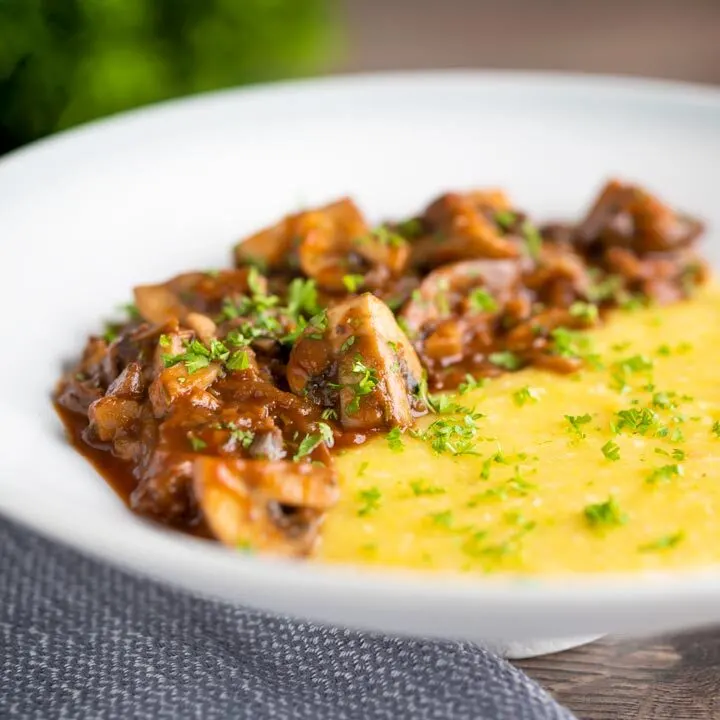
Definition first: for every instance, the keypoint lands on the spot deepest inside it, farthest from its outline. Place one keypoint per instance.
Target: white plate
(85, 216)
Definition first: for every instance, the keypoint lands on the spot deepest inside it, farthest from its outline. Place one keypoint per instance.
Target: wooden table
(672, 677)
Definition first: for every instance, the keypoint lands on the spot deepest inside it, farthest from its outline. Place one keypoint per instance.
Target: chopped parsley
(347, 344)
(526, 395)
(394, 440)
(636, 421)
(676, 454)
(533, 239)
(471, 383)
(452, 436)
(302, 298)
(329, 414)
(353, 282)
(584, 311)
(363, 467)
(239, 360)
(605, 514)
(442, 519)
(196, 443)
(611, 450)
(506, 359)
(666, 542)
(411, 228)
(313, 440)
(318, 324)
(482, 301)
(365, 385)
(576, 422)
(573, 344)
(423, 487)
(369, 501)
(664, 474)
(505, 218)
(715, 429)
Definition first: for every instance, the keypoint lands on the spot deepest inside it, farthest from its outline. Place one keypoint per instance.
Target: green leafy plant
(63, 62)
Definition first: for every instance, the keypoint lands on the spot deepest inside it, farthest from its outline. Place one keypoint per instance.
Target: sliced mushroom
(176, 381)
(444, 289)
(189, 295)
(627, 215)
(110, 416)
(462, 227)
(273, 506)
(336, 242)
(368, 360)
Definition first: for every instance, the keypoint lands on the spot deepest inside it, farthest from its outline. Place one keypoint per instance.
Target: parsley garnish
(364, 386)
(505, 218)
(347, 344)
(370, 500)
(455, 437)
(302, 298)
(196, 443)
(442, 519)
(318, 323)
(353, 282)
(312, 440)
(423, 487)
(584, 311)
(576, 422)
(605, 514)
(611, 450)
(506, 359)
(482, 301)
(394, 440)
(526, 395)
(636, 422)
(663, 543)
(471, 383)
(664, 474)
(715, 429)
(239, 360)
(533, 239)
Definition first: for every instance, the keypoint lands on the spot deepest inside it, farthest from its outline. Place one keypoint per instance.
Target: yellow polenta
(614, 469)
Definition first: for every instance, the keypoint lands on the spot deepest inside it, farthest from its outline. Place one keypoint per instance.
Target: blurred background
(63, 62)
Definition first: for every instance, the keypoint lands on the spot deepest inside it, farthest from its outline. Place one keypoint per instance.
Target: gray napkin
(79, 639)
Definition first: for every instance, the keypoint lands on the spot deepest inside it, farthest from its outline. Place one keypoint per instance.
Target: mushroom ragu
(218, 405)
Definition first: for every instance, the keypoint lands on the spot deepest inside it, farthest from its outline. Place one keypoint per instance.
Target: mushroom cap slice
(365, 359)
(463, 228)
(442, 290)
(273, 506)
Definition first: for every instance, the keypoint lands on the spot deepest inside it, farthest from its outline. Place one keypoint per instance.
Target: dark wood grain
(673, 677)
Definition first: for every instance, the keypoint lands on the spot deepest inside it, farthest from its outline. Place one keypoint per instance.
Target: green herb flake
(239, 360)
(353, 282)
(715, 429)
(611, 450)
(666, 542)
(363, 467)
(423, 487)
(471, 383)
(526, 395)
(576, 422)
(505, 218)
(347, 344)
(394, 440)
(482, 301)
(664, 474)
(584, 311)
(196, 443)
(442, 519)
(369, 501)
(533, 239)
(605, 514)
(506, 359)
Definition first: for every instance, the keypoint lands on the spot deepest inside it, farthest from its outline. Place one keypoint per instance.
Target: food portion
(256, 404)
